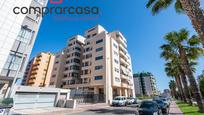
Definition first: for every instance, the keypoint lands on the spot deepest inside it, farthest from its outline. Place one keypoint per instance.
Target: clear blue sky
(143, 32)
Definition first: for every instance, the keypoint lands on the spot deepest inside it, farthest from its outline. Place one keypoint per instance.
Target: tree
(188, 49)
(191, 8)
(202, 85)
(172, 70)
(172, 87)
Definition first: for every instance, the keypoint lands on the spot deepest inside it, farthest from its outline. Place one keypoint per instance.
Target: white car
(119, 101)
(131, 100)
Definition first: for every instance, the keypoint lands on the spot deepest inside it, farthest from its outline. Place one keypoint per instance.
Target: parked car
(131, 100)
(165, 100)
(119, 101)
(149, 108)
(163, 106)
(155, 98)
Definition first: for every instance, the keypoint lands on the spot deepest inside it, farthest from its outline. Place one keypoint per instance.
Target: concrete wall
(34, 97)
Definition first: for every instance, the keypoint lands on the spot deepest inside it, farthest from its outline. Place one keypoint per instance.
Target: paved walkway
(174, 109)
(60, 111)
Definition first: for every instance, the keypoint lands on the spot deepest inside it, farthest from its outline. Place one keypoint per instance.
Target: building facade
(68, 64)
(105, 68)
(18, 33)
(38, 71)
(145, 84)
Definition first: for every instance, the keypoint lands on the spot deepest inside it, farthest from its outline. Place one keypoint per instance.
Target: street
(128, 110)
(93, 109)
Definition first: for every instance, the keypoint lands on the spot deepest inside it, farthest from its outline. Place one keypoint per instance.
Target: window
(51, 83)
(98, 77)
(99, 49)
(74, 67)
(86, 71)
(25, 35)
(77, 48)
(66, 69)
(77, 54)
(99, 41)
(77, 61)
(88, 56)
(94, 34)
(117, 79)
(86, 64)
(98, 67)
(53, 76)
(70, 44)
(99, 58)
(67, 62)
(65, 76)
(117, 70)
(87, 43)
(115, 45)
(115, 53)
(88, 49)
(116, 61)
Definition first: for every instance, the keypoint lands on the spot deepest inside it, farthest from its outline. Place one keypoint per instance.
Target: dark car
(163, 106)
(149, 108)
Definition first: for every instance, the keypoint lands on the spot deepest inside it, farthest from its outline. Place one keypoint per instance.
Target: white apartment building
(18, 33)
(105, 70)
(145, 84)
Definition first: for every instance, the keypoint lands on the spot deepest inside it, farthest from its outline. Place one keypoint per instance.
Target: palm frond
(178, 7)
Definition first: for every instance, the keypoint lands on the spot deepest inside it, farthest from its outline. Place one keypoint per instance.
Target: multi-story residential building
(38, 71)
(18, 33)
(106, 65)
(145, 84)
(67, 67)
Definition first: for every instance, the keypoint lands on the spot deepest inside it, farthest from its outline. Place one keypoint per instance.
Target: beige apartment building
(103, 69)
(38, 71)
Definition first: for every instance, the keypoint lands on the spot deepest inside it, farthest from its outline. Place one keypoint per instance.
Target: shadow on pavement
(115, 111)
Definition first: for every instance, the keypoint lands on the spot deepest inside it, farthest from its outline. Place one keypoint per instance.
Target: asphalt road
(128, 110)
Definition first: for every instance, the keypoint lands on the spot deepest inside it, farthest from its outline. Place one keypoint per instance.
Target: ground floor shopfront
(99, 93)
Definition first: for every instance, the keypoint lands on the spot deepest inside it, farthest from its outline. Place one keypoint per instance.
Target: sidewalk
(60, 111)
(174, 109)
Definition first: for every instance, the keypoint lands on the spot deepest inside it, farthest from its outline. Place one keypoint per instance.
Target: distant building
(166, 93)
(38, 71)
(145, 84)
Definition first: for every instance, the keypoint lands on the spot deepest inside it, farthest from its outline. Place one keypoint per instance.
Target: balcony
(33, 72)
(32, 77)
(121, 39)
(123, 48)
(123, 62)
(124, 85)
(31, 81)
(38, 59)
(124, 77)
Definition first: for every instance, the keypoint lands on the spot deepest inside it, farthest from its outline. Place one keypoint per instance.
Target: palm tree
(172, 70)
(191, 8)
(187, 49)
(174, 66)
(172, 87)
